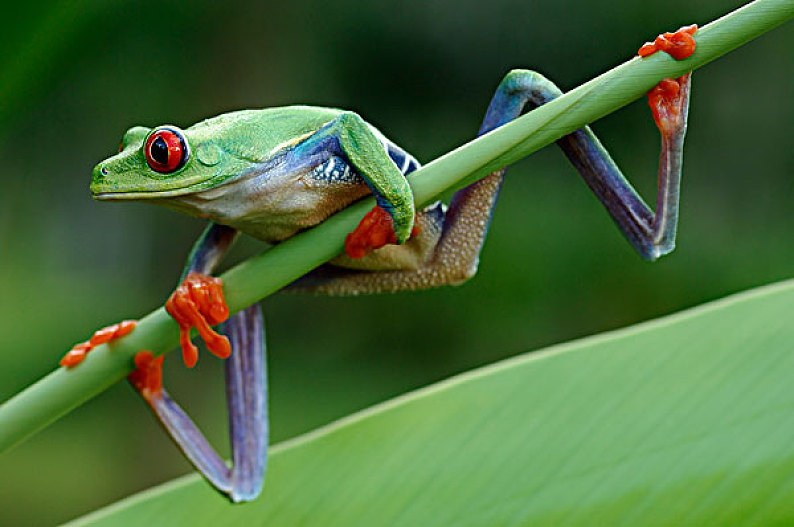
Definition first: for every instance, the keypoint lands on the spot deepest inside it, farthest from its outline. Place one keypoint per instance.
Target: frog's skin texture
(271, 173)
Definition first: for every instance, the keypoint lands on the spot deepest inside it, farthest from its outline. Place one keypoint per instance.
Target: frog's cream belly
(273, 206)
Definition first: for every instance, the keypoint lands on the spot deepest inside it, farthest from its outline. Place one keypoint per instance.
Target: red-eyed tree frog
(272, 173)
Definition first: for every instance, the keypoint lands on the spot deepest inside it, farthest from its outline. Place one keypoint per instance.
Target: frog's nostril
(103, 171)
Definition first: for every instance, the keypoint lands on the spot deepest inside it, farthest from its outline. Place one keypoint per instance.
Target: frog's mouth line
(141, 194)
(110, 194)
(196, 188)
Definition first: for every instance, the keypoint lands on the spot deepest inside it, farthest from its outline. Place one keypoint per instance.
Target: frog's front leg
(352, 139)
(246, 384)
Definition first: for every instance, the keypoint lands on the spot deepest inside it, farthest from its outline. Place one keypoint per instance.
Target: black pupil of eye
(159, 151)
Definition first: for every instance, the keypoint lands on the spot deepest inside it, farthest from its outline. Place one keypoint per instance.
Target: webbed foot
(198, 303)
(76, 355)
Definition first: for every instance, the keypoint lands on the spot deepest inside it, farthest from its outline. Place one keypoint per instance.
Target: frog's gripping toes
(678, 45)
(198, 303)
(376, 230)
(271, 173)
(110, 333)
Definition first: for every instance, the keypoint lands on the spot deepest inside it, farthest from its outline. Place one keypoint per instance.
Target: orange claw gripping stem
(148, 375)
(678, 45)
(665, 102)
(375, 230)
(198, 303)
(76, 355)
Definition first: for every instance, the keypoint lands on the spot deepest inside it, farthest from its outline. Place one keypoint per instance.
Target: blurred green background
(75, 75)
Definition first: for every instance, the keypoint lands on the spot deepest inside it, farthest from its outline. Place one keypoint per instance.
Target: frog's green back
(254, 134)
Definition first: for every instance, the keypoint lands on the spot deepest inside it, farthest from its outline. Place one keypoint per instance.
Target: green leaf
(684, 420)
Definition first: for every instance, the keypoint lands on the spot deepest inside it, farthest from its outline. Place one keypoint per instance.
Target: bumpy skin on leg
(246, 389)
(460, 233)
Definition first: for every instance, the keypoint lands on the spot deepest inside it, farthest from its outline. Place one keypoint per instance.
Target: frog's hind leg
(462, 233)
(246, 385)
(246, 397)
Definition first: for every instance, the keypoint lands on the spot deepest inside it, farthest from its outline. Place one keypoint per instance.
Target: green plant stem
(60, 391)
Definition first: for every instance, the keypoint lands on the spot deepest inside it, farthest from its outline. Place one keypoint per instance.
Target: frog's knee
(530, 82)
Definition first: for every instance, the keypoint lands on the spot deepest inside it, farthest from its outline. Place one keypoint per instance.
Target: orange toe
(198, 303)
(678, 45)
(666, 100)
(374, 231)
(148, 375)
(75, 355)
(110, 333)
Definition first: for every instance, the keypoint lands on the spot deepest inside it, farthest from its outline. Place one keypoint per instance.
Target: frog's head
(165, 162)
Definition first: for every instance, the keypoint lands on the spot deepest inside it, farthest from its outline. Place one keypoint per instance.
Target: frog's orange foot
(148, 375)
(198, 303)
(667, 101)
(678, 45)
(375, 231)
(76, 355)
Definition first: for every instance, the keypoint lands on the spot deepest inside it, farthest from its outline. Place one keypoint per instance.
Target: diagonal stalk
(62, 390)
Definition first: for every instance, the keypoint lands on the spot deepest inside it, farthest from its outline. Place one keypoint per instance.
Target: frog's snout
(98, 178)
(104, 184)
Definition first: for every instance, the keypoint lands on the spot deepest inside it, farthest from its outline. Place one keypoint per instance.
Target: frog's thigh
(404, 267)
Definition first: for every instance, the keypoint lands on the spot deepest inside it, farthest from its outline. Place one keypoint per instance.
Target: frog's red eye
(166, 150)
